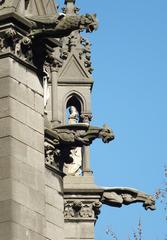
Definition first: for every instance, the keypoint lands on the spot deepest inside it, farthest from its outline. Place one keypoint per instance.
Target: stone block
(5, 69)
(26, 115)
(35, 159)
(5, 189)
(4, 87)
(20, 232)
(79, 230)
(4, 146)
(23, 153)
(5, 211)
(55, 216)
(53, 232)
(23, 133)
(21, 92)
(5, 127)
(27, 175)
(52, 180)
(5, 167)
(39, 103)
(4, 107)
(27, 218)
(28, 197)
(26, 76)
(5, 231)
(54, 198)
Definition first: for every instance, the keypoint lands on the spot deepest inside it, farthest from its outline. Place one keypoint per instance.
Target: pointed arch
(76, 99)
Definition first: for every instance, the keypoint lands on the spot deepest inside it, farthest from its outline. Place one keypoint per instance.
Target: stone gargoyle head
(89, 22)
(106, 134)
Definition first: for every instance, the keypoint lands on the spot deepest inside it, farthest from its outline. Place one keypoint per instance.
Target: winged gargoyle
(116, 197)
(61, 26)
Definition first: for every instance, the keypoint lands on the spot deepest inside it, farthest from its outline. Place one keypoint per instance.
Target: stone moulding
(84, 210)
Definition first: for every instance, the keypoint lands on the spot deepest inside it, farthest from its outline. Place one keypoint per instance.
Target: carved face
(90, 22)
(107, 135)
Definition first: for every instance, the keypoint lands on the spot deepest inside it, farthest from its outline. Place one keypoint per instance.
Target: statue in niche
(74, 115)
(74, 168)
(46, 87)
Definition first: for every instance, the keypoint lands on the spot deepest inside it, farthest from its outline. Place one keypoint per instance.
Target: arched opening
(26, 4)
(73, 109)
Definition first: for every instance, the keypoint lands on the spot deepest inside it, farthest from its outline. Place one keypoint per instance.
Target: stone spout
(78, 135)
(61, 26)
(116, 197)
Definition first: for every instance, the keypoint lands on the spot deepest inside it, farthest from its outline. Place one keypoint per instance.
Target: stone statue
(74, 168)
(116, 197)
(46, 87)
(61, 26)
(74, 115)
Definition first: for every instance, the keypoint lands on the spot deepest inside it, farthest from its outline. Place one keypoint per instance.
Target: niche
(73, 110)
(27, 4)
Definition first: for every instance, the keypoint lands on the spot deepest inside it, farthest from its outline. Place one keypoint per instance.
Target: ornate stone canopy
(30, 7)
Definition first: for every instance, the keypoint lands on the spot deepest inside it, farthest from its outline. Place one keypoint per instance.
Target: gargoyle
(77, 137)
(66, 138)
(61, 26)
(116, 197)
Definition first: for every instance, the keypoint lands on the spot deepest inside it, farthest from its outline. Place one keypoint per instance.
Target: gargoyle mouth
(90, 28)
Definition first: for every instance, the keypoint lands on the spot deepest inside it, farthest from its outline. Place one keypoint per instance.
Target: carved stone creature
(64, 140)
(116, 197)
(79, 138)
(61, 26)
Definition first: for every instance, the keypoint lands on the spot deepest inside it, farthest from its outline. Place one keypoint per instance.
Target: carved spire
(70, 8)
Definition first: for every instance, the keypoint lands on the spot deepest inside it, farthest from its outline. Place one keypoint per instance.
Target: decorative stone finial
(70, 8)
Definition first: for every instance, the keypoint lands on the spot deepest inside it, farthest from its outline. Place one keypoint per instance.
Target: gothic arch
(75, 99)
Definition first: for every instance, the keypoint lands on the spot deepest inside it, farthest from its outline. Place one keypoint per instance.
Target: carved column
(86, 169)
(54, 72)
(81, 211)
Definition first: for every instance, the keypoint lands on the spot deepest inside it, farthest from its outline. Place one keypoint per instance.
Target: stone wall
(22, 170)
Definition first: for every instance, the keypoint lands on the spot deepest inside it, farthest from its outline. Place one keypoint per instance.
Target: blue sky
(129, 55)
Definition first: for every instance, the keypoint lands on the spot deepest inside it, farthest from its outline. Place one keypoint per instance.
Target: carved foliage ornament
(82, 209)
(13, 42)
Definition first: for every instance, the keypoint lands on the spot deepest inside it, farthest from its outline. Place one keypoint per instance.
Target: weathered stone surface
(27, 218)
(54, 216)
(28, 116)
(20, 73)
(53, 181)
(5, 189)
(4, 107)
(84, 230)
(18, 231)
(39, 103)
(23, 133)
(5, 210)
(53, 232)
(54, 198)
(28, 197)
(5, 231)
